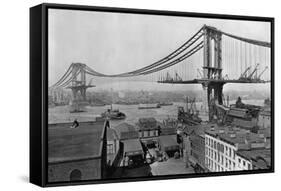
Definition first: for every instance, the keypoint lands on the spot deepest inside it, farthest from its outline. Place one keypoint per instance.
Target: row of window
(219, 158)
(229, 165)
(148, 133)
(244, 164)
(220, 147)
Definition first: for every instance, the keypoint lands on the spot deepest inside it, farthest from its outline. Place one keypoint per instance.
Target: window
(110, 149)
(249, 166)
(239, 160)
(215, 144)
(215, 155)
(75, 175)
(244, 163)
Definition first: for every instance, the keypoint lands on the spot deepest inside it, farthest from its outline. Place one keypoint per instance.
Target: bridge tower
(79, 84)
(212, 69)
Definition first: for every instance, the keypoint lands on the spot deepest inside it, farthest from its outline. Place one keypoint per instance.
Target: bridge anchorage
(218, 57)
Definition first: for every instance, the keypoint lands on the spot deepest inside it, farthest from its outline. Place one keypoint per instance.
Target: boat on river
(113, 114)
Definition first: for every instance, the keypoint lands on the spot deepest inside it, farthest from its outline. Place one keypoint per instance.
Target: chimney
(221, 131)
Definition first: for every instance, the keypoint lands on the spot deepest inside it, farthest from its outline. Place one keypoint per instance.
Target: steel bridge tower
(79, 84)
(212, 68)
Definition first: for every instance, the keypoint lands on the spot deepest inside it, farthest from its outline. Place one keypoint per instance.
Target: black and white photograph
(135, 95)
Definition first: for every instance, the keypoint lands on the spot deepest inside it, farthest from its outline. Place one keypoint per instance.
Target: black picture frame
(39, 89)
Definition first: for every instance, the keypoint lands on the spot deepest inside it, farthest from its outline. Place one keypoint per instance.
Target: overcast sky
(113, 43)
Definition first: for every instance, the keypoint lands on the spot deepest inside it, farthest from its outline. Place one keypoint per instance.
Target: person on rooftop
(75, 124)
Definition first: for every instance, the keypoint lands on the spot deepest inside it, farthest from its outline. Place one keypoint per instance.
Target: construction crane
(168, 77)
(178, 78)
(244, 75)
(250, 76)
(192, 109)
(253, 72)
(259, 76)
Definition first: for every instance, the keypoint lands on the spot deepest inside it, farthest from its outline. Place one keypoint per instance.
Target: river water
(60, 114)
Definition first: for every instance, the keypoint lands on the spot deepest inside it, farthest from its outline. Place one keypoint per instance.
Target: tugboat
(113, 114)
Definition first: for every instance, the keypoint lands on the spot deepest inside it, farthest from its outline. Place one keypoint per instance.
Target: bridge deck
(80, 86)
(202, 81)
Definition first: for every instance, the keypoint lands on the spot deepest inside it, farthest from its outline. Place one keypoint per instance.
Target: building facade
(148, 130)
(223, 145)
(219, 155)
(77, 153)
(264, 119)
(113, 147)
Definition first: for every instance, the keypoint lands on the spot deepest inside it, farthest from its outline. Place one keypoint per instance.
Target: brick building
(77, 153)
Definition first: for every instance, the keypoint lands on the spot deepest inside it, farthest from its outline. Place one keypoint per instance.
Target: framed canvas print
(127, 95)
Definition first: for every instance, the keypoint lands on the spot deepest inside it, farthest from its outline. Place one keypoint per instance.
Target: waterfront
(60, 114)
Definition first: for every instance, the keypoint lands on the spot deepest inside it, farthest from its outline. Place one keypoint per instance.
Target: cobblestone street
(169, 167)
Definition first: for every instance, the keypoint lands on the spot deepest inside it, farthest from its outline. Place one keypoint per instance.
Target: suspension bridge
(210, 57)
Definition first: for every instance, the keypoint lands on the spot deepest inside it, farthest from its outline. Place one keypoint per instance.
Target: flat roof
(168, 141)
(234, 135)
(198, 129)
(244, 123)
(132, 147)
(257, 156)
(149, 123)
(126, 131)
(67, 144)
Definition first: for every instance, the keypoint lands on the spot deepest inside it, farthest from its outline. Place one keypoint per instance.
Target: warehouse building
(77, 153)
(222, 145)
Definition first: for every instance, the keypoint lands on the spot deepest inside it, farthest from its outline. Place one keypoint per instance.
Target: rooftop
(237, 136)
(261, 158)
(147, 120)
(148, 123)
(199, 129)
(168, 141)
(266, 111)
(244, 123)
(111, 134)
(126, 131)
(66, 144)
(132, 147)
